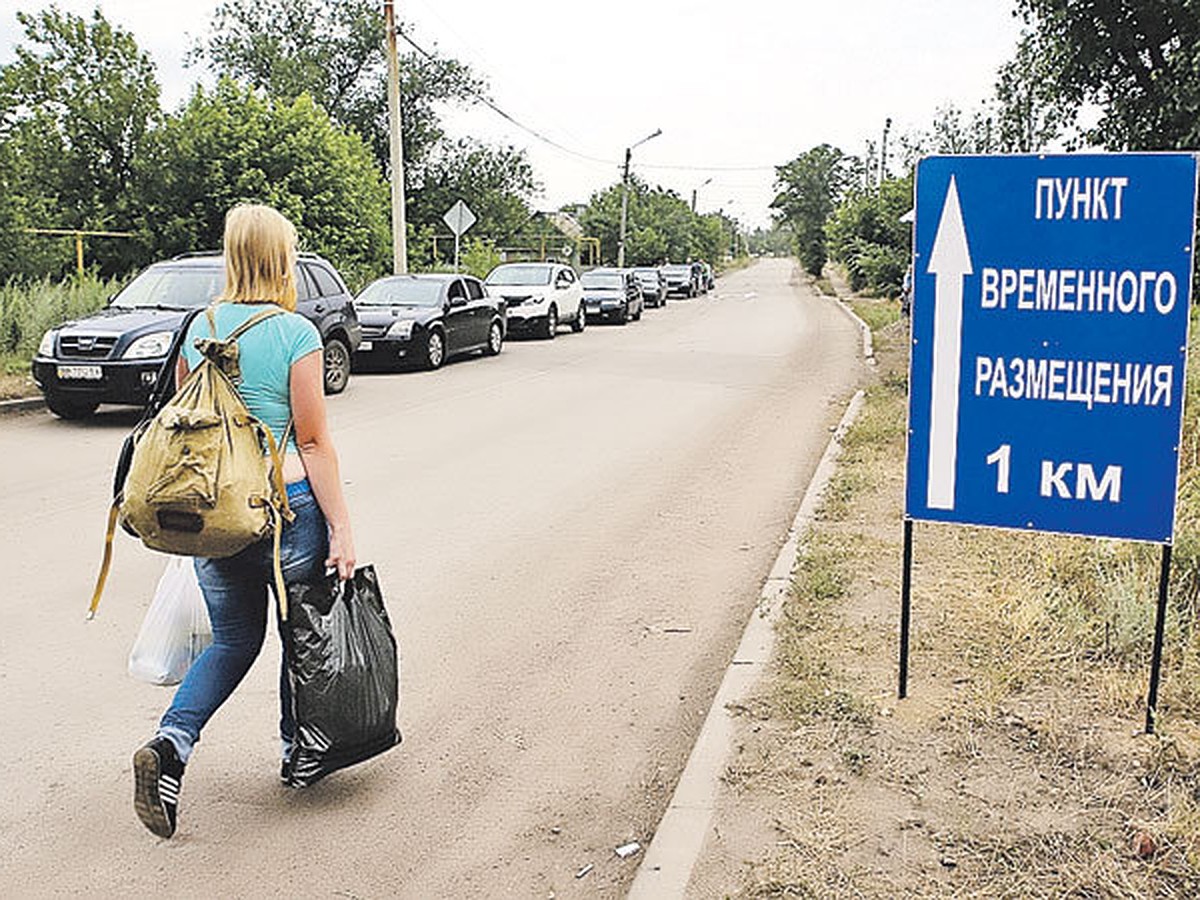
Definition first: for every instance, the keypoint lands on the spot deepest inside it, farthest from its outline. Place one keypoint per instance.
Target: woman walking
(281, 382)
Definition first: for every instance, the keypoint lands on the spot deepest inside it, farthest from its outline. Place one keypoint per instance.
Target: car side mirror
(458, 301)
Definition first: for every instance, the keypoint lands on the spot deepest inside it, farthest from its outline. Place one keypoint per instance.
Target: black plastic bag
(344, 674)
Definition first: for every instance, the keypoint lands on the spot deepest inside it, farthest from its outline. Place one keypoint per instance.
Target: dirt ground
(1017, 767)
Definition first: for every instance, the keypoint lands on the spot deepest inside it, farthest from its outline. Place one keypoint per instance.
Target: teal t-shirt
(266, 353)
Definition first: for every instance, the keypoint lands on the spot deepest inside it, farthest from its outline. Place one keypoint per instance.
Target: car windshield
(602, 280)
(401, 292)
(646, 275)
(172, 286)
(506, 276)
(678, 270)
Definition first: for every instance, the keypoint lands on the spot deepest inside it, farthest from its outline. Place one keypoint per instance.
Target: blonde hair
(260, 257)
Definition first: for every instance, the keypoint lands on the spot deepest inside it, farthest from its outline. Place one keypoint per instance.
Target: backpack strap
(250, 322)
(210, 314)
(108, 547)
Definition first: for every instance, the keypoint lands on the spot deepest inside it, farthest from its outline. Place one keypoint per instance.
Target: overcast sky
(736, 88)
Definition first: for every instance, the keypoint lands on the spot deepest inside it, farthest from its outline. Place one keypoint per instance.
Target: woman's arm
(307, 387)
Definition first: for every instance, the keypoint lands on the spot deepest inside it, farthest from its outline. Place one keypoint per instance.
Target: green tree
(333, 50)
(867, 237)
(953, 130)
(497, 183)
(1030, 112)
(810, 186)
(233, 145)
(1137, 60)
(659, 226)
(76, 107)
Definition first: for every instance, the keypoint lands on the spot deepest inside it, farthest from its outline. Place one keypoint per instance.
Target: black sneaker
(157, 778)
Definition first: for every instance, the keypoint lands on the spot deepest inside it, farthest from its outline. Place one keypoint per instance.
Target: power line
(486, 101)
(483, 98)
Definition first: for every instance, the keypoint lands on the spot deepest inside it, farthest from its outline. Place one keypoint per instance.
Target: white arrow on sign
(459, 217)
(949, 262)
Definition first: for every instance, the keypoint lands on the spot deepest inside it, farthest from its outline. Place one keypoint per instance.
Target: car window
(304, 285)
(457, 291)
(327, 285)
(474, 289)
(176, 287)
(565, 277)
(515, 275)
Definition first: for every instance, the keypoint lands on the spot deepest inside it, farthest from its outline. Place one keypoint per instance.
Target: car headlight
(46, 347)
(149, 346)
(401, 329)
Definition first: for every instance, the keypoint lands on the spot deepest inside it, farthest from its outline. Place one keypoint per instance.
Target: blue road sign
(1049, 327)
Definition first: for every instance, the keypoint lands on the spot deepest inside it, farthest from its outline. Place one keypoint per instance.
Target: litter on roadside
(627, 850)
(582, 872)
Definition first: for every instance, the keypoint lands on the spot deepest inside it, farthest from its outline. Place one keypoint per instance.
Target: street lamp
(696, 188)
(625, 196)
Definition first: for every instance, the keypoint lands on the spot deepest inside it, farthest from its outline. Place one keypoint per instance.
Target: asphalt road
(571, 537)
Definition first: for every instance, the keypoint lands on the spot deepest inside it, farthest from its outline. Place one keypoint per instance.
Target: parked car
(426, 319)
(682, 279)
(653, 284)
(612, 294)
(115, 355)
(538, 296)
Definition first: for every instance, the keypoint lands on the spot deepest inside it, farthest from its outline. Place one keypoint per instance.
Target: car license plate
(365, 346)
(80, 373)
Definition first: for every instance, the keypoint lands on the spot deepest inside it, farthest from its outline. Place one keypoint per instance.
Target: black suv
(114, 355)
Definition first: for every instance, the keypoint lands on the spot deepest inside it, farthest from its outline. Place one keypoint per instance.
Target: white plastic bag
(176, 628)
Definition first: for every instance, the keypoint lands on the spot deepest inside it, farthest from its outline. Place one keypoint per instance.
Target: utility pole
(625, 197)
(399, 226)
(709, 181)
(887, 126)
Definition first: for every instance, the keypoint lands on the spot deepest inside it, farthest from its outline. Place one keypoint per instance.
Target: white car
(539, 297)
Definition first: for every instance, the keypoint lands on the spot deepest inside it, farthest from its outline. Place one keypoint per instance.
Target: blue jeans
(235, 592)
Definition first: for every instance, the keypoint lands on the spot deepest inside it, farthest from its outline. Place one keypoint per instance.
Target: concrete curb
(667, 867)
(16, 406)
(868, 343)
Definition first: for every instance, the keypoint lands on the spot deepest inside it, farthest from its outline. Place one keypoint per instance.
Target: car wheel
(337, 365)
(495, 340)
(435, 350)
(580, 322)
(66, 408)
(551, 327)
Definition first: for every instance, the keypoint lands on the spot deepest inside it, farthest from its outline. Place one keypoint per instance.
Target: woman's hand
(341, 552)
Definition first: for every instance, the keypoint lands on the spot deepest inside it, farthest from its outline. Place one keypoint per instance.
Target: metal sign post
(1049, 341)
(459, 217)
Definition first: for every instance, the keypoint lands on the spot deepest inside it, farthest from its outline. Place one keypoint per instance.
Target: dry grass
(1016, 768)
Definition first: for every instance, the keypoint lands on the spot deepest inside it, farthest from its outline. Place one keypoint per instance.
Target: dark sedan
(426, 319)
(653, 284)
(612, 294)
(682, 279)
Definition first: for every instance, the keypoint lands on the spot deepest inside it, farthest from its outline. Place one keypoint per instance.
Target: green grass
(29, 309)
(876, 313)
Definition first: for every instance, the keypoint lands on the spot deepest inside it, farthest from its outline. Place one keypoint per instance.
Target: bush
(29, 309)
(865, 235)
